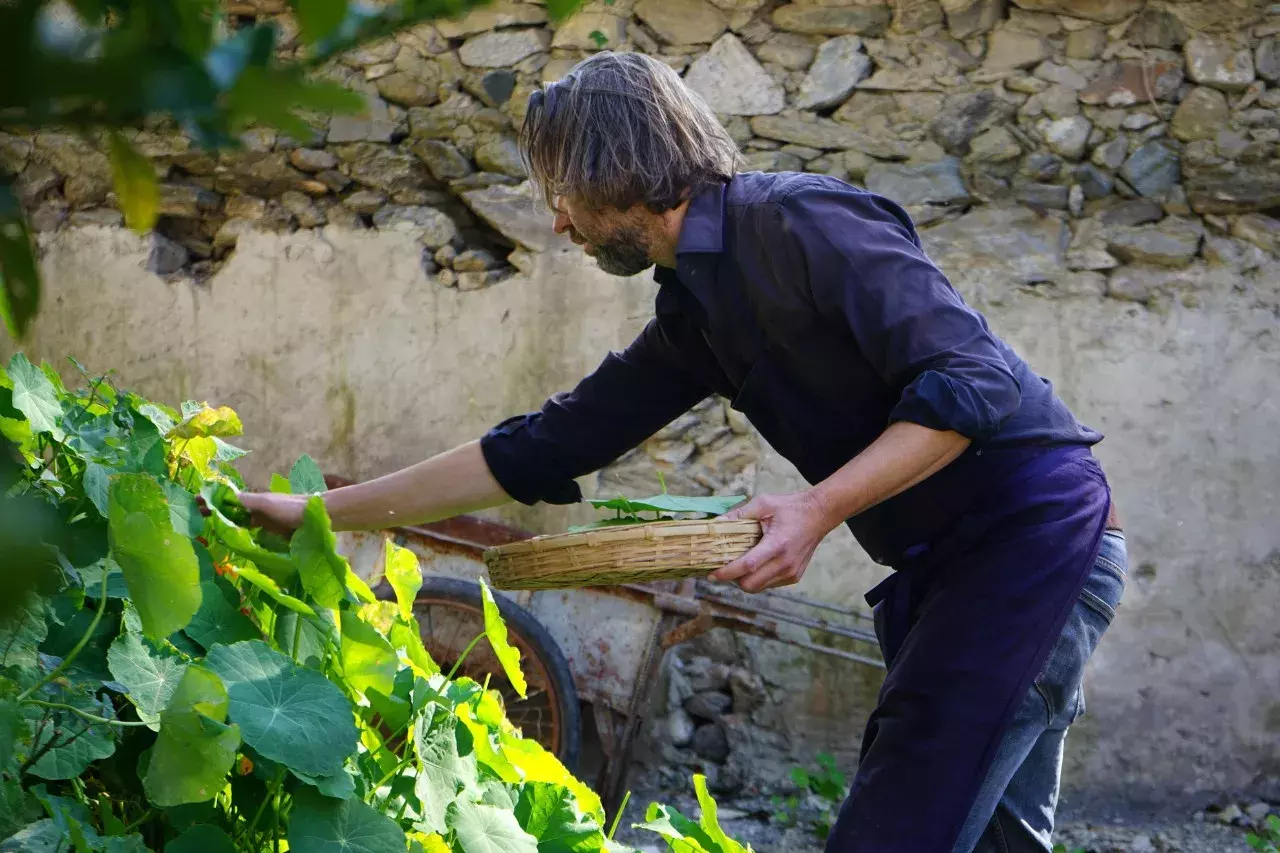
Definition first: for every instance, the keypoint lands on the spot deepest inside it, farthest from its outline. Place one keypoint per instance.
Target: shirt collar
(703, 226)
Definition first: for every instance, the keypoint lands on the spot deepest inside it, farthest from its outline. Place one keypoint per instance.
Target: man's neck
(668, 235)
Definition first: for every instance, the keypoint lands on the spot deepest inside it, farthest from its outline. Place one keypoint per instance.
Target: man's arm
(530, 458)
(451, 483)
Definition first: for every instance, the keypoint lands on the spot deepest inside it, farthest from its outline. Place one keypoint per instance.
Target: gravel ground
(1092, 828)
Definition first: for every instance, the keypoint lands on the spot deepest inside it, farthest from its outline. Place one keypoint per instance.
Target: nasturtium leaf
(184, 513)
(159, 564)
(35, 396)
(11, 726)
(479, 741)
(150, 676)
(536, 764)
(359, 588)
(196, 748)
(710, 819)
(442, 772)
(402, 572)
(135, 184)
(321, 568)
(306, 478)
(145, 451)
(21, 634)
(271, 588)
(163, 418)
(240, 542)
(76, 742)
(682, 834)
(549, 813)
(280, 485)
(501, 794)
(95, 485)
(207, 422)
(321, 824)
(313, 635)
(340, 786)
(199, 451)
(289, 713)
(420, 842)
(43, 836)
(201, 838)
(380, 614)
(496, 630)
(488, 829)
(227, 452)
(219, 619)
(405, 637)
(368, 661)
(13, 807)
(712, 505)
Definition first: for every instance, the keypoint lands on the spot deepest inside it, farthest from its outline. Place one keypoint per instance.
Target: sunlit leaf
(368, 661)
(402, 572)
(536, 764)
(710, 819)
(196, 748)
(135, 183)
(481, 828)
(549, 813)
(35, 396)
(159, 564)
(322, 570)
(280, 485)
(271, 588)
(206, 422)
(496, 630)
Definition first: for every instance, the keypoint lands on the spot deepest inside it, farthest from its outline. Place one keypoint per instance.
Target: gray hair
(622, 129)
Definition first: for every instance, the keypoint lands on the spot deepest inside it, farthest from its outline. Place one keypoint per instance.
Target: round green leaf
(35, 396)
(201, 838)
(323, 825)
(442, 772)
(488, 829)
(149, 676)
(76, 742)
(288, 713)
(549, 813)
(219, 619)
(159, 564)
(195, 749)
(305, 478)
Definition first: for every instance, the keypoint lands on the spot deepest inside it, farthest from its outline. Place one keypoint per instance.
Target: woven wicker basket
(659, 550)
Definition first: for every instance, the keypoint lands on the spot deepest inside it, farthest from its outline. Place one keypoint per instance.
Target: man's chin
(625, 270)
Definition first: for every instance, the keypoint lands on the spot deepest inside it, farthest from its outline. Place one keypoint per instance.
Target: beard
(625, 253)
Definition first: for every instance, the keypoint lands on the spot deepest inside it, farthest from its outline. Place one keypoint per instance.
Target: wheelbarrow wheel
(451, 614)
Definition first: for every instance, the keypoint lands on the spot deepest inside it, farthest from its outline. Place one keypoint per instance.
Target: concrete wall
(335, 343)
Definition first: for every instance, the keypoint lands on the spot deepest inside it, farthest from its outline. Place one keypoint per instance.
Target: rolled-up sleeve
(630, 396)
(864, 267)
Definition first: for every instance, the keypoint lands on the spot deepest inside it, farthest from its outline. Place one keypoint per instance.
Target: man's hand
(793, 526)
(279, 512)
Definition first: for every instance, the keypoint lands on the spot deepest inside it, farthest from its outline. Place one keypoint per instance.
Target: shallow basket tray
(660, 550)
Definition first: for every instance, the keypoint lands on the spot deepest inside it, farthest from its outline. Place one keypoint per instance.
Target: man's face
(617, 239)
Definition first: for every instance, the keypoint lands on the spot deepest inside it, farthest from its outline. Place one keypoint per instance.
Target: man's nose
(562, 223)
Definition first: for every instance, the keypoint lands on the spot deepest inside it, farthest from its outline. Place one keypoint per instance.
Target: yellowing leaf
(404, 575)
(135, 184)
(222, 422)
(537, 765)
(496, 630)
(420, 842)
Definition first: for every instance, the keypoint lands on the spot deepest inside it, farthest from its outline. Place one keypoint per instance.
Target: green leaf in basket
(712, 505)
(614, 522)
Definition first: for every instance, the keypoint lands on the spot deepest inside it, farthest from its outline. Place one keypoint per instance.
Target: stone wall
(1100, 177)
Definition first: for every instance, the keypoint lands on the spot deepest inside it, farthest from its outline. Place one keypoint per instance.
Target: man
(811, 305)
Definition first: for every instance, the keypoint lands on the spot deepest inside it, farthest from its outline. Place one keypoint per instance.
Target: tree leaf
(196, 748)
(550, 813)
(288, 713)
(368, 661)
(159, 564)
(442, 772)
(496, 630)
(319, 824)
(314, 548)
(21, 634)
(149, 676)
(219, 619)
(35, 396)
(305, 478)
(19, 275)
(201, 838)
(317, 19)
(404, 575)
(488, 829)
(135, 183)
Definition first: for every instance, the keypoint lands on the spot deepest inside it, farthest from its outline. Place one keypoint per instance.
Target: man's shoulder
(755, 188)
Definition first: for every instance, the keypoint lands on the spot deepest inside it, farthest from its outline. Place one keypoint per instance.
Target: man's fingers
(754, 509)
(747, 563)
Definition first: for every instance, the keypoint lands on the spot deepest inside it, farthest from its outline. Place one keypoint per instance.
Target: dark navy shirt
(811, 305)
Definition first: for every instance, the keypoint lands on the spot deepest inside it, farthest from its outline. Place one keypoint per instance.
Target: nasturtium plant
(179, 680)
(664, 507)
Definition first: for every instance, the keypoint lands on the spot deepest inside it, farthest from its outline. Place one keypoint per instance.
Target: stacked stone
(1128, 148)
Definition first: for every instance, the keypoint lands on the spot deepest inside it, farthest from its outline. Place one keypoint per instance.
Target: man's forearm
(454, 482)
(904, 454)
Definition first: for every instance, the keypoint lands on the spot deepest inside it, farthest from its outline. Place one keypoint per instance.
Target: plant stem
(131, 827)
(93, 718)
(71, 655)
(617, 818)
(297, 634)
(275, 789)
(404, 762)
(463, 656)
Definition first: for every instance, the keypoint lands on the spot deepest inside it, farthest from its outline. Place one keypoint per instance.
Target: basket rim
(647, 531)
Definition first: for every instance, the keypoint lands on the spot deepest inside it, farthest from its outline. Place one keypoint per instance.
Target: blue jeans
(1015, 807)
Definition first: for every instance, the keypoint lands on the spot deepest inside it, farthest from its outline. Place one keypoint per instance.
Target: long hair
(622, 129)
